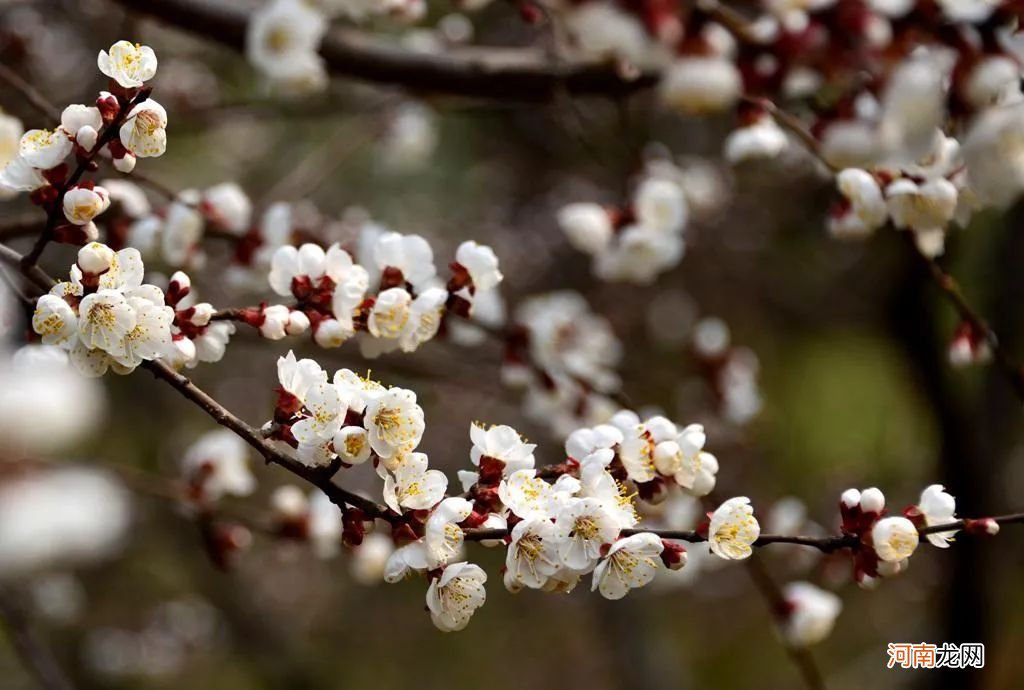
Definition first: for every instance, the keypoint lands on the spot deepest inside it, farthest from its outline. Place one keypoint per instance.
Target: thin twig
(953, 294)
(35, 656)
(773, 596)
(32, 96)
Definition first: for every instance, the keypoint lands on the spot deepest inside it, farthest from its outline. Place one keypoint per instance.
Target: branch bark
(505, 73)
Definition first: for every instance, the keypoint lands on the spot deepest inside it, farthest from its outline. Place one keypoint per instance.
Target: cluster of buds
(195, 336)
(923, 198)
(283, 37)
(563, 356)
(731, 371)
(398, 303)
(105, 316)
(885, 544)
(638, 242)
(124, 124)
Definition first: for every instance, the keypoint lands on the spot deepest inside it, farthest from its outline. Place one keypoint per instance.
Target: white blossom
(481, 263)
(701, 84)
(867, 210)
(761, 139)
(219, 461)
(811, 614)
(44, 148)
(59, 518)
(411, 485)
(281, 41)
(130, 65)
(394, 422)
(368, 561)
(527, 495)
(894, 538)
(82, 204)
(442, 535)
(144, 131)
(733, 529)
(453, 597)
(660, 205)
(410, 254)
(925, 206)
(587, 226)
(229, 206)
(532, 555)
(937, 507)
(583, 526)
(501, 443)
(298, 376)
(352, 444)
(630, 563)
(423, 321)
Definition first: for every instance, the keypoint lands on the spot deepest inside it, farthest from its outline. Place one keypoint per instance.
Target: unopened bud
(95, 258)
(673, 555)
(872, 500)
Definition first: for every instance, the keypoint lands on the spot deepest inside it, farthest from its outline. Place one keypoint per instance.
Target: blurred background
(855, 390)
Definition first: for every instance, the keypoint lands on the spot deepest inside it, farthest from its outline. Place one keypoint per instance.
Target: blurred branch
(33, 97)
(503, 73)
(953, 294)
(37, 659)
(25, 225)
(773, 596)
(321, 476)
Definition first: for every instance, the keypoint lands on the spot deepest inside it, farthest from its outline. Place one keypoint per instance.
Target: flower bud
(275, 319)
(288, 502)
(95, 258)
(329, 333)
(872, 500)
(298, 323)
(125, 164)
(185, 349)
(108, 106)
(850, 498)
(587, 226)
(178, 288)
(673, 555)
(982, 527)
(81, 204)
(87, 137)
(202, 313)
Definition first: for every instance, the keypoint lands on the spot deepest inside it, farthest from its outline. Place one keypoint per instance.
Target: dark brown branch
(773, 596)
(26, 225)
(37, 659)
(319, 477)
(504, 73)
(825, 544)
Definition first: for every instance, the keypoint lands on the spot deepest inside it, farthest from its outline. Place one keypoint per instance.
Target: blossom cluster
(283, 37)
(124, 124)
(885, 543)
(885, 92)
(640, 241)
(395, 300)
(104, 315)
(563, 357)
(555, 532)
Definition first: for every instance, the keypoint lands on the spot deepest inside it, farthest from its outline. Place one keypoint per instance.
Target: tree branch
(37, 659)
(505, 73)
